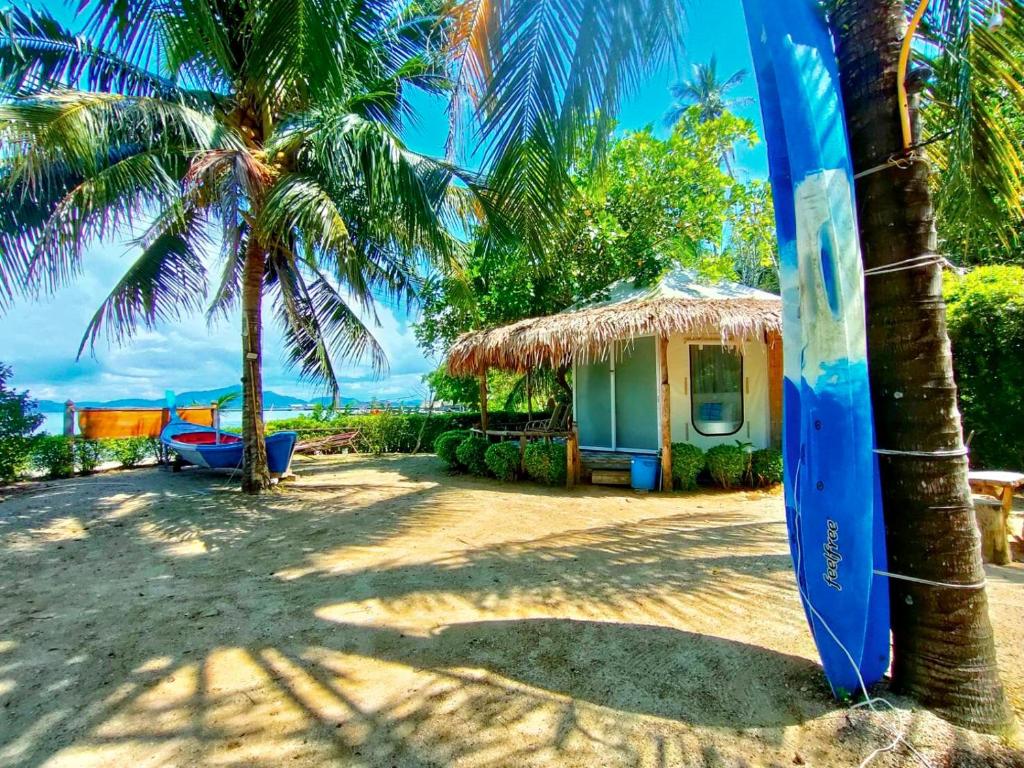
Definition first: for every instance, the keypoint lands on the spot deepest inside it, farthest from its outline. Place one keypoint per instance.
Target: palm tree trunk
(943, 649)
(255, 475)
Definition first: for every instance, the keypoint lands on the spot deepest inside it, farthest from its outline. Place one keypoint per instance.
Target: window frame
(693, 402)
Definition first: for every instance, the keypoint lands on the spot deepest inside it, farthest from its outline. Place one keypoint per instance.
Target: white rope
(899, 733)
(917, 262)
(903, 163)
(952, 453)
(978, 585)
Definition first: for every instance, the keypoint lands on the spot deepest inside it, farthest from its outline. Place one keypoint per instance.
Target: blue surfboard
(832, 493)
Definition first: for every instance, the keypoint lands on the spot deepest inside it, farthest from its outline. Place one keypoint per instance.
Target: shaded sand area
(380, 613)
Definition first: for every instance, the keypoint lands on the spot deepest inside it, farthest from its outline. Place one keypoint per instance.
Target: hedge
(766, 467)
(985, 317)
(728, 464)
(545, 462)
(393, 431)
(687, 463)
(446, 447)
(470, 454)
(503, 460)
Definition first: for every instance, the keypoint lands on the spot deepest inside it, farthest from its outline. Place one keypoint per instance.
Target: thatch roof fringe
(586, 334)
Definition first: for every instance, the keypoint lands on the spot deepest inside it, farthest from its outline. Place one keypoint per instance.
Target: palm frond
(166, 281)
(978, 80)
(37, 53)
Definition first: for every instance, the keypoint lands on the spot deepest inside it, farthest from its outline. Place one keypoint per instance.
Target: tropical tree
(550, 64)
(943, 650)
(704, 90)
(266, 129)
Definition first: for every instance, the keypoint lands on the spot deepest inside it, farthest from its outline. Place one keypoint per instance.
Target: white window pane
(716, 389)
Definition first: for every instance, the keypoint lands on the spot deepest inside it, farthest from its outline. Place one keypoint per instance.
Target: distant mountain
(271, 399)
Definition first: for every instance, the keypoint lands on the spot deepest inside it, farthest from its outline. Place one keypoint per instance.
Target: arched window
(716, 389)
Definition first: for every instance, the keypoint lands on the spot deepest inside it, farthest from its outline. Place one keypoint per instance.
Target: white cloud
(40, 339)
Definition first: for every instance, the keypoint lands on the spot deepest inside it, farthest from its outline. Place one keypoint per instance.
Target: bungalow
(681, 360)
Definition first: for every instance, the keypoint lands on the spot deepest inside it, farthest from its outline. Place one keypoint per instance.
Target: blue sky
(41, 339)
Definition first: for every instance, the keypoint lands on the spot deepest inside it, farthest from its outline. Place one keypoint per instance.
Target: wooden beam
(483, 400)
(665, 416)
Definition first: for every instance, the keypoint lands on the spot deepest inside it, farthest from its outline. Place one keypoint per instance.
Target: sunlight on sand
(379, 613)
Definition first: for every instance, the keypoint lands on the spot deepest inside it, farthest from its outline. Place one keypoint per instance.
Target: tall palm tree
(704, 90)
(268, 128)
(943, 650)
(537, 70)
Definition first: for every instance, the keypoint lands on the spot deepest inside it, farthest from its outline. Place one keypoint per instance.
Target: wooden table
(1001, 485)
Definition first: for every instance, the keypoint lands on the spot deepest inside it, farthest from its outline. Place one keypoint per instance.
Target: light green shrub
(129, 451)
(545, 462)
(728, 464)
(53, 455)
(766, 467)
(503, 460)
(687, 464)
(88, 455)
(985, 314)
(471, 453)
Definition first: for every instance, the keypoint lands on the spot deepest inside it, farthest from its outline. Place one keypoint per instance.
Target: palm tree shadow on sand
(646, 670)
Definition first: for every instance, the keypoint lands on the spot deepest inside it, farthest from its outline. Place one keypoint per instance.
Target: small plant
(766, 467)
(88, 455)
(18, 420)
(471, 454)
(54, 455)
(687, 463)
(545, 462)
(130, 451)
(446, 445)
(728, 464)
(503, 460)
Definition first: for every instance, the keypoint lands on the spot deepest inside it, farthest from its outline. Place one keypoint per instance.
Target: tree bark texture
(943, 648)
(255, 474)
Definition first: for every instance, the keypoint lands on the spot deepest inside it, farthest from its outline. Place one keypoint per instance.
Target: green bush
(687, 463)
(389, 432)
(392, 431)
(88, 455)
(728, 464)
(53, 455)
(985, 314)
(471, 453)
(503, 460)
(545, 462)
(18, 420)
(129, 451)
(446, 445)
(766, 467)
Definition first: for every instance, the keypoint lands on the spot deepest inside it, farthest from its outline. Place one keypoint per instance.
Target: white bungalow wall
(599, 422)
(756, 426)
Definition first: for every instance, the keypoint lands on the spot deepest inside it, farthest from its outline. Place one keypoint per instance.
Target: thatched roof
(677, 304)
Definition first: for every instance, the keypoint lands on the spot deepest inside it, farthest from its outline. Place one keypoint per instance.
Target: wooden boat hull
(217, 449)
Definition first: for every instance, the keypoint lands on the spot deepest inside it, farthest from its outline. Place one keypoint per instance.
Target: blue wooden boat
(833, 499)
(216, 449)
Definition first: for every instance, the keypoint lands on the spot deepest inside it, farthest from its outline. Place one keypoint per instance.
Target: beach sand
(378, 612)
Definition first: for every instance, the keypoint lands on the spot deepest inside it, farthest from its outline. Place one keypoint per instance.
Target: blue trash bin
(644, 473)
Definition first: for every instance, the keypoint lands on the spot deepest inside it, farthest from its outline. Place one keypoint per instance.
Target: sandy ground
(379, 613)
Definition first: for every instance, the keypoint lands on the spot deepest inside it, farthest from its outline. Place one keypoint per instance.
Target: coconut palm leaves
(975, 50)
(533, 76)
(143, 120)
(705, 90)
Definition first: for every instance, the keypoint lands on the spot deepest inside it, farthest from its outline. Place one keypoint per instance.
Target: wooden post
(572, 463)
(69, 419)
(215, 421)
(483, 400)
(529, 396)
(665, 402)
